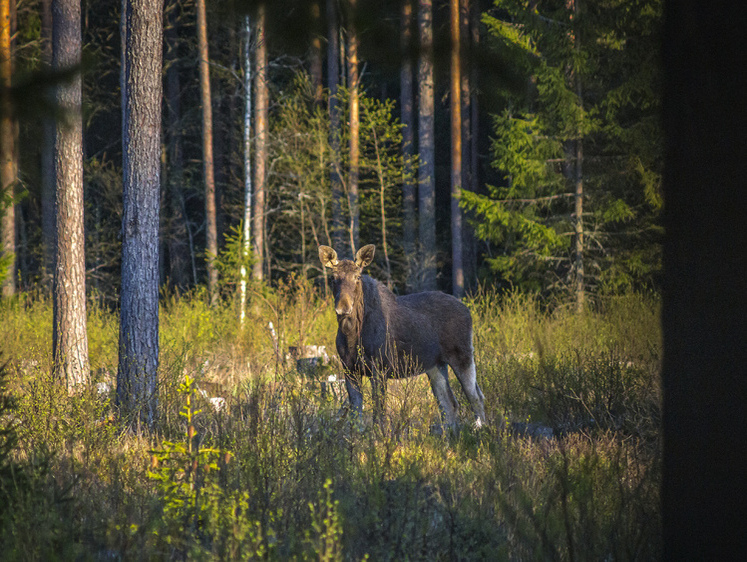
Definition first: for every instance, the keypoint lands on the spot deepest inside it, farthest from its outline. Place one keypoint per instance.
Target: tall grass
(568, 467)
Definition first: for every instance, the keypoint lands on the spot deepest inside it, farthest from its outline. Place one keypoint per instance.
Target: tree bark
(354, 127)
(704, 305)
(178, 247)
(457, 268)
(260, 146)
(247, 215)
(211, 223)
(142, 37)
(69, 339)
(47, 159)
(333, 80)
(427, 168)
(579, 179)
(407, 116)
(315, 62)
(7, 165)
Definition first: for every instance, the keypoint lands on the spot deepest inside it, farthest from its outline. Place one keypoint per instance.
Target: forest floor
(568, 466)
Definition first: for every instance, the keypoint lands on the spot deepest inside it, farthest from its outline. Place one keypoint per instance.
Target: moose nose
(343, 309)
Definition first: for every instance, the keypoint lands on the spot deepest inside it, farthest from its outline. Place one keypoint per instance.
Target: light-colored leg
(439, 377)
(468, 379)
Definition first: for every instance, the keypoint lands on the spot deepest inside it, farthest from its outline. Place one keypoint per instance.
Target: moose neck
(350, 327)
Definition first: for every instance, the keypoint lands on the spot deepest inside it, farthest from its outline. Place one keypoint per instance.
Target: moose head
(346, 276)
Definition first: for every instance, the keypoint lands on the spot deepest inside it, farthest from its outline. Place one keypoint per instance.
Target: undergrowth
(568, 467)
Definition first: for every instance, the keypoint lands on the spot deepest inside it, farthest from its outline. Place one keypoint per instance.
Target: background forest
(510, 153)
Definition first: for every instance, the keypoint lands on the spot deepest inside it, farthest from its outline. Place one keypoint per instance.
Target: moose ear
(365, 255)
(328, 257)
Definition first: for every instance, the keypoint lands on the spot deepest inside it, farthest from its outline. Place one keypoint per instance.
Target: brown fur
(383, 336)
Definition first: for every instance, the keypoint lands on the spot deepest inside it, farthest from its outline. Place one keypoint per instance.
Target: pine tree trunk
(427, 168)
(142, 36)
(407, 116)
(468, 235)
(260, 146)
(69, 340)
(333, 80)
(178, 247)
(7, 166)
(457, 268)
(354, 128)
(579, 182)
(211, 224)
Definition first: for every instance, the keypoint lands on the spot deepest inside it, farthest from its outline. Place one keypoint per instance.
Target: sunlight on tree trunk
(7, 166)
(333, 80)
(207, 152)
(260, 142)
(354, 127)
(457, 268)
(69, 339)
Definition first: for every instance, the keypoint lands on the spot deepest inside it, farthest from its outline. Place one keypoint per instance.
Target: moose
(384, 336)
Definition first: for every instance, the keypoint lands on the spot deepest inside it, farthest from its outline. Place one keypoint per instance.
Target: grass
(568, 467)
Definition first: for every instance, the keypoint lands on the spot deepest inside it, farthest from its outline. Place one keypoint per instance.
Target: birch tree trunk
(211, 224)
(247, 215)
(69, 337)
(142, 38)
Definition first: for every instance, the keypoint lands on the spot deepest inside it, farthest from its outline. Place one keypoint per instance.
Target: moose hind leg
(439, 378)
(467, 375)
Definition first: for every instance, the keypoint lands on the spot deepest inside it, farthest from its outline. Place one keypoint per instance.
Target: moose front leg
(353, 385)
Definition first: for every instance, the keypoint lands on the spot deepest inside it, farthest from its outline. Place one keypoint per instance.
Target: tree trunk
(408, 125)
(247, 215)
(211, 225)
(704, 305)
(315, 62)
(260, 146)
(333, 79)
(354, 127)
(69, 339)
(468, 141)
(7, 166)
(178, 246)
(47, 159)
(427, 168)
(142, 36)
(579, 180)
(457, 268)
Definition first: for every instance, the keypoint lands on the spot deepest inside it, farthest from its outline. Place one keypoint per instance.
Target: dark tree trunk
(704, 305)
(142, 36)
(69, 339)
(315, 55)
(427, 168)
(261, 98)
(47, 160)
(333, 80)
(178, 247)
(407, 116)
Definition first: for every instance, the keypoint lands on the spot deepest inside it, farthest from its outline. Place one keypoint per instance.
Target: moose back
(383, 336)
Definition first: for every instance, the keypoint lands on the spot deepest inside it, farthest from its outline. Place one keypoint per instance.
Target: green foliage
(592, 78)
(282, 473)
